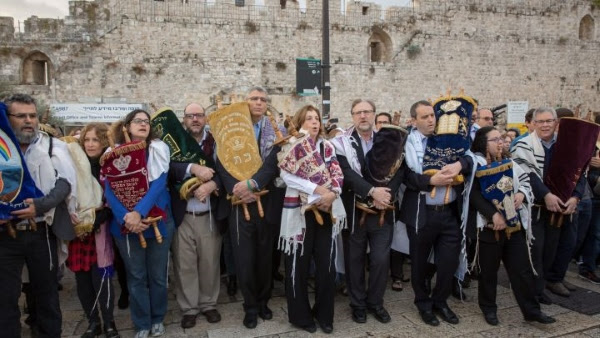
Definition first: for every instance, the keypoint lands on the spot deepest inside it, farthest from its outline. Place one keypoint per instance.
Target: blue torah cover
(16, 183)
(496, 180)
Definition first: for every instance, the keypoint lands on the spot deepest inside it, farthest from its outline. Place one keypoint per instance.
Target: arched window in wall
(587, 28)
(380, 46)
(37, 69)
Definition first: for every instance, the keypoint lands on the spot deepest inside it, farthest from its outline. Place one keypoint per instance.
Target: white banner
(516, 111)
(86, 113)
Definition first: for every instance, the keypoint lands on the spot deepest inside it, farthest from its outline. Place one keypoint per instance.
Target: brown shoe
(188, 321)
(558, 289)
(212, 316)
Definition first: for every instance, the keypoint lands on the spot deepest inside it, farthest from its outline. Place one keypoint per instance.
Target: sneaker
(558, 289)
(157, 330)
(142, 334)
(590, 277)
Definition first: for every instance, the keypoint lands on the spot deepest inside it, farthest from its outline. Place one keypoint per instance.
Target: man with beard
(51, 168)
(197, 246)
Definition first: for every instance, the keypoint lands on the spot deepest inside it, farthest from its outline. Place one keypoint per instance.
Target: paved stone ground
(405, 319)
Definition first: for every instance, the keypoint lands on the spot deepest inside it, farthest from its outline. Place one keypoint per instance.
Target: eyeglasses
(194, 116)
(549, 121)
(257, 98)
(23, 116)
(140, 121)
(496, 140)
(365, 112)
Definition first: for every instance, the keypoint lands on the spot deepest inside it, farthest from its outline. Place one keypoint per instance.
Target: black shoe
(544, 299)
(446, 314)
(540, 318)
(110, 331)
(188, 321)
(232, 285)
(326, 328)
(491, 318)
(380, 314)
(93, 330)
(265, 313)
(250, 320)
(123, 302)
(359, 316)
(429, 318)
(212, 316)
(311, 328)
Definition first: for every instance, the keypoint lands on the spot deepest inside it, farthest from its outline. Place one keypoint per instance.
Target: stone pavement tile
(595, 332)
(516, 328)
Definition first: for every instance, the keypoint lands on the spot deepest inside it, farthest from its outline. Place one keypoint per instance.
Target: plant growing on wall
(413, 51)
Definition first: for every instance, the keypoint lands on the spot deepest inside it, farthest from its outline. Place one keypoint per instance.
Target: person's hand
(202, 172)
(74, 219)
(553, 203)
(379, 206)
(204, 191)
(382, 195)
(241, 190)
(28, 212)
(452, 169)
(324, 203)
(519, 197)
(441, 179)
(571, 206)
(499, 222)
(595, 162)
(132, 220)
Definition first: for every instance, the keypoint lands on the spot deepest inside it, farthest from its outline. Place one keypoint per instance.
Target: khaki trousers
(197, 264)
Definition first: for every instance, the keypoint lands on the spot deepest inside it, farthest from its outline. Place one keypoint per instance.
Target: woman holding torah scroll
(313, 216)
(145, 259)
(501, 196)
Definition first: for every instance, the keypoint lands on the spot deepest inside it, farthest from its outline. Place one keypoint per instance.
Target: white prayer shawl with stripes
(529, 154)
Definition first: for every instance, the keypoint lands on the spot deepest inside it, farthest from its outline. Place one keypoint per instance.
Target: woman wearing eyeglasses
(500, 200)
(146, 267)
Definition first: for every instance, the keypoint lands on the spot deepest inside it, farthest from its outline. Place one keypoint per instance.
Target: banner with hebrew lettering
(237, 148)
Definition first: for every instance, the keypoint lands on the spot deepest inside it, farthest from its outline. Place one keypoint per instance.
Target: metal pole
(325, 86)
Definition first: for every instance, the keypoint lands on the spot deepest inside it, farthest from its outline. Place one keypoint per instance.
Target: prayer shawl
(267, 137)
(529, 154)
(520, 184)
(301, 157)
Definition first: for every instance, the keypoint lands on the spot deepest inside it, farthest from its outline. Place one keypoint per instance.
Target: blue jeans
(584, 216)
(591, 245)
(566, 237)
(147, 276)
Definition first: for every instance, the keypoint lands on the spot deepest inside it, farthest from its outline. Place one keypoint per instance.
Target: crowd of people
(330, 200)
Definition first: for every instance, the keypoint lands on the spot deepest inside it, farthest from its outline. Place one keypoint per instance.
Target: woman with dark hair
(91, 254)
(146, 267)
(503, 232)
(312, 218)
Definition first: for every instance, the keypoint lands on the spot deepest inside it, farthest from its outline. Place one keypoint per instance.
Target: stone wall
(171, 53)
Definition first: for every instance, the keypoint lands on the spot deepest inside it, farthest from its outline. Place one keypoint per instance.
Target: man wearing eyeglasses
(52, 169)
(485, 118)
(534, 153)
(197, 246)
(252, 241)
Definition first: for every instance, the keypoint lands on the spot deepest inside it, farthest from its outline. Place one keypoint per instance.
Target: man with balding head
(197, 246)
(485, 118)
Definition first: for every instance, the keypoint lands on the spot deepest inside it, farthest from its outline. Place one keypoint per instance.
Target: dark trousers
(89, 285)
(584, 217)
(565, 248)
(513, 253)
(120, 269)
(252, 244)
(397, 265)
(31, 248)
(591, 245)
(317, 244)
(442, 234)
(379, 239)
(543, 249)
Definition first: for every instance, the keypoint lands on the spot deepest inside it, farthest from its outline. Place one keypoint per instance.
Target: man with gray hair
(534, 154)
(52, 170)
(252, 241)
